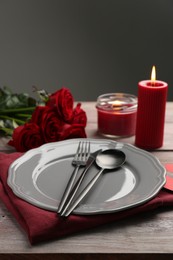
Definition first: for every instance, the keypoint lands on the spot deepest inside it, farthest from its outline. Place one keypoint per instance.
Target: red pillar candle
(152, 95)
(117, 114)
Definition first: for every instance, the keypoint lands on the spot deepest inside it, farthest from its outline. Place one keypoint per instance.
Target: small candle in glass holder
(117, 114)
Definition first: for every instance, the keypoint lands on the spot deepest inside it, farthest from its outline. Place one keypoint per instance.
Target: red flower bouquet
(56, 120)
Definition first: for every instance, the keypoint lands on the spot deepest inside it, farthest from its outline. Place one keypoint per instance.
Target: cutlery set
(106, 160)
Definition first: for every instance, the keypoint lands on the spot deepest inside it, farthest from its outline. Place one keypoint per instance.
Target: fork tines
(83, 152)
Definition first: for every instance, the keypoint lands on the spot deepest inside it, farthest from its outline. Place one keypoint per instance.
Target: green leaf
(8, 99)
(15, 125)
(7, 90)
(6, 131)
(20, 122)
(2, 123)
(43, 95)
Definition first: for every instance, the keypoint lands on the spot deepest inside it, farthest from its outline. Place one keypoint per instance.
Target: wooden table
(146, 236)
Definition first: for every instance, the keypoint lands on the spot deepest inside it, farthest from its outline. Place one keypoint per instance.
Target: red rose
(26, 137)
(62, 101)
(37, 115)
(55, 121)
(50, 125)
(72, 131)
(79, 116)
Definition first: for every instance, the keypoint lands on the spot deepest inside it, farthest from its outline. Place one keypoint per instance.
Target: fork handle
(82, 194)
(68, 188)
(76, 187)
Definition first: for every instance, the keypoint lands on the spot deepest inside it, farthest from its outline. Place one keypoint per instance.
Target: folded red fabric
(41, 225)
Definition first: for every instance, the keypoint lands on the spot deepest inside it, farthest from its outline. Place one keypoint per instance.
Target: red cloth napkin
(41, 225)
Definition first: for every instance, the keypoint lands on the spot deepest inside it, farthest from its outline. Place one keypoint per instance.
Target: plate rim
(47, 146)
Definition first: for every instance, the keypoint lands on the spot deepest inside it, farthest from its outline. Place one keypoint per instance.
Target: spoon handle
(82, 194)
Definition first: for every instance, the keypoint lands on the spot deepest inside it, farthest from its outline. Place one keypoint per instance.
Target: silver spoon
(106, 160)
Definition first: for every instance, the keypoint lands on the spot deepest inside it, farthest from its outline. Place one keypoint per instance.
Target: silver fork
(80, 159)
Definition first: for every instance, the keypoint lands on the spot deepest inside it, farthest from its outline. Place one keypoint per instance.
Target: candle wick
(120, 107)
(153, 83)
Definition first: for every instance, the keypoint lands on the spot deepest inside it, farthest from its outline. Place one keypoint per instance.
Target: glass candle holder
(117, 114)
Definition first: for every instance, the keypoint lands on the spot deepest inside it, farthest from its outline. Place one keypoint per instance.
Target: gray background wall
(90, 46)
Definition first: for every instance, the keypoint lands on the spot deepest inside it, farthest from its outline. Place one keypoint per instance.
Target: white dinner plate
(41, 174)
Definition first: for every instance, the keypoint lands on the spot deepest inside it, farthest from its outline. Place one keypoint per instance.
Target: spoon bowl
(110, 159)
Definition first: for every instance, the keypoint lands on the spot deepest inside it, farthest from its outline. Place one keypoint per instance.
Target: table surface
(143, 234)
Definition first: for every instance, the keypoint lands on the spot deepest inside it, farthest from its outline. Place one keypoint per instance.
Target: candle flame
(153, 75)
(117, 103)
